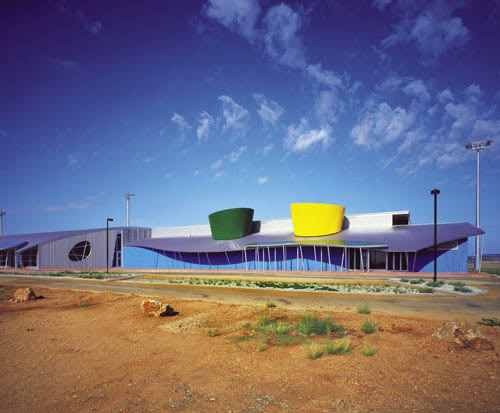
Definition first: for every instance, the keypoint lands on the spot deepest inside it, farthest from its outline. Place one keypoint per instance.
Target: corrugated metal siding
(55, 254)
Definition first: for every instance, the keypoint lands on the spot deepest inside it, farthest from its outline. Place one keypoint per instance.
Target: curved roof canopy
(394, 238)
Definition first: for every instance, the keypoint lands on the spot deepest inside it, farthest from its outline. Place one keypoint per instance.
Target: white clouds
(381, 4)
(196, 172)
(281, 26)
(301, 138)
(239, 16)
(182, 125)
(269, 111)
(445, 96)
(381, 124)
(266, 150)
(262, 180)
(327, 105)
(323, 77)
(417, 89)
(93, 27)
(148, 159)
(217, 164)
(235, 115)
(234, 157)
(433, 30)
(219, 174)
(206, 122)
(73, 161)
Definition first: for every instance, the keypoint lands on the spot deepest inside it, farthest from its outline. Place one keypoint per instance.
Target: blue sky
(197, 106)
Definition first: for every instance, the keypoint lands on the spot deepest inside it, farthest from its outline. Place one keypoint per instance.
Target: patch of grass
(270, 304)
(2, 293)
(434, 284)
(246, 326)
(279, 328)
(457, 283)
(404, 280)
(364, 308)
(492, 322)
(309, 324)
(426, 290)
(263, 320)
(492, 271)
(338, 348)
(286, 339)
(211, 332)
(368, 350)
(241, 339)
(462, 289)
(314, 351)
(368, 326)
(419, 281)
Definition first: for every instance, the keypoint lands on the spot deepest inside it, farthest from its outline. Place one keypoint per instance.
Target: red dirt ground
(79, 351)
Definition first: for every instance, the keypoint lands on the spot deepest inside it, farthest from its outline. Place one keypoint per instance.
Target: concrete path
(437, 306)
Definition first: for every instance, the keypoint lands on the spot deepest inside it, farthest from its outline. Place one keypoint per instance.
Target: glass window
(80, 251)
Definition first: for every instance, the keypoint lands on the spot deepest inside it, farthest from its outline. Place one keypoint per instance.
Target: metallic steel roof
(397, 238)
(35, 239)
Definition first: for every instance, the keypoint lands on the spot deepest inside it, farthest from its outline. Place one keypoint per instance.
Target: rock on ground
(156, 308)
(24, 294)
(463, 336)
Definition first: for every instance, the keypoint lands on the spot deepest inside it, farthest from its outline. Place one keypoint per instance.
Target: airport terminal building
(317, 237)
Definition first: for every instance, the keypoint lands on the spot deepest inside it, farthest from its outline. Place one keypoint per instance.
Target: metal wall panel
(55, 254)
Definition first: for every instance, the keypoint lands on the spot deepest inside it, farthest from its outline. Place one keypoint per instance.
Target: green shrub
(457, 283)
(314, 351)
(309, 324)
(426, 290)
(364, 308)
(492, 322)
(368, 326)
(270, 304)
(434, 284)
(419, 281)
(368, 350)
(462, 289)
(340, 347)
(404, 280)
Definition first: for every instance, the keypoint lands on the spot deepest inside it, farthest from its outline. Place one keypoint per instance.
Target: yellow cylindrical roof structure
(315, 220)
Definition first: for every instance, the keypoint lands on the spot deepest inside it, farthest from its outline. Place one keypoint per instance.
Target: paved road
(437, 306)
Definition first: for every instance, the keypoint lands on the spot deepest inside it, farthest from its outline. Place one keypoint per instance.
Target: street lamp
(108, 220)
(435, 192)
(127, 198)
(2, 213)
(477, 146)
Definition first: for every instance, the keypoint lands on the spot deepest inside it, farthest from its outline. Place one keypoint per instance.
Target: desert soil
(82, 351)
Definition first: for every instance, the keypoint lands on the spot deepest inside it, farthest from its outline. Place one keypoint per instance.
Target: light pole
(127, 198)
(477, 146)
(2, 213)
(435, 192)
(108, 220)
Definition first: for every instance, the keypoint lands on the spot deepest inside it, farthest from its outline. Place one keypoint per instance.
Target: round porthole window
(80, 251)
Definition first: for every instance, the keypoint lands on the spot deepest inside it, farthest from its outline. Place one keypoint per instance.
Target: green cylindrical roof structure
(231, 223)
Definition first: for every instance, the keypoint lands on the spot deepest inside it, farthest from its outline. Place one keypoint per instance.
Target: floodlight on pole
(478, 146)
(108, 220)
(2, 213)
(127, 197)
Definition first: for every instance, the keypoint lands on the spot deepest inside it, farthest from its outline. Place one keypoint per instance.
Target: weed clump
(434, 284)
(211, 332)
(338, 348)
(368, 326)
(364, 308)
(491, 322)
(419, 281)
(314, 351)
(368, 350)
(270, 304)
(426, 290)
(309, 324)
